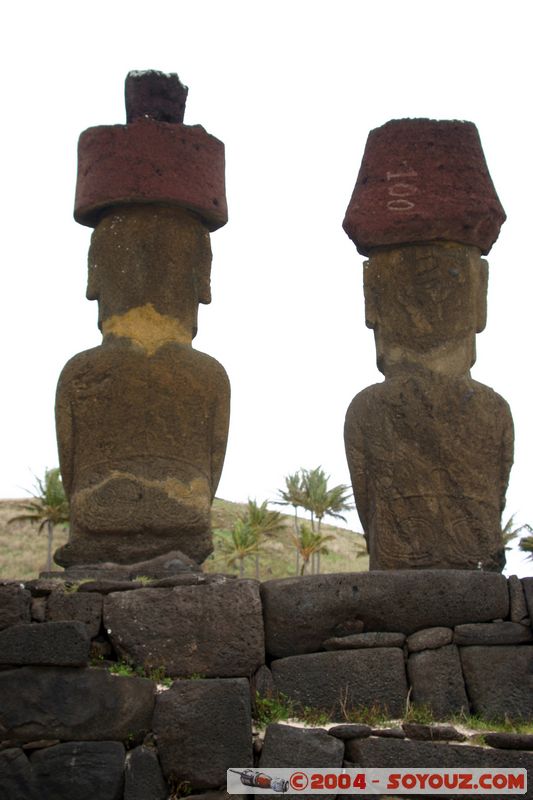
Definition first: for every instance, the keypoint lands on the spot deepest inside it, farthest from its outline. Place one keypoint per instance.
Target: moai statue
(429, 449)
(142, 420)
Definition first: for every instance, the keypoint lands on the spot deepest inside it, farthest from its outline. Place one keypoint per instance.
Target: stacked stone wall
(451, 641)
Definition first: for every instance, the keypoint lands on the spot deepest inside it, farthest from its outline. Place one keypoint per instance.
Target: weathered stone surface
(301, 613)
(262, 683)
(69, 703)
(353, 731)
(426, 497)
(499, 680)
(286, 746)
(215, 630)
(106, 587)
(378, 752)
(422, 180)
(495, 633)
(42, 587)
(527, 584)
(389, 733)
(81, 770)
(362, 640)
(437, 681)
(517, 600)
(143, 777)
(203, 727)
(154, 94)
(17, 780)
(14, 605)
(78, 607)
(510, 741)
(429, 639)
(341, 680)
(432, 733)
(59, 643)
(145, 414)
(38, 609)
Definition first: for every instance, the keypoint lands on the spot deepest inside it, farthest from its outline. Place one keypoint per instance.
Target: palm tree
(293, 495)
(510, 532)
(321, 501)
(262, 521)
(49, 507)
(245, 541)
(307, 543)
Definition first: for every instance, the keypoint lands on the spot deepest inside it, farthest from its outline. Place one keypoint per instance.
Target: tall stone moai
(142, 420)
(429, 449)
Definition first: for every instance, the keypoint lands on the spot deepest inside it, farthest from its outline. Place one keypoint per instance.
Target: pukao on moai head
(429, 449)
(142, 420)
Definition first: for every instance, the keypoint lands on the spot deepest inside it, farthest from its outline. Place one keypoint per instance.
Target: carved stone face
(426, 302)
(152, 254)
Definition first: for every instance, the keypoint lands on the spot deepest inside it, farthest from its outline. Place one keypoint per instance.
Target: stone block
(527, 585)
(301, 613)
(81, 770)
(57, 643)
(517, 600)
(510, 741)
(340, 680)
(499, 680)
(286, 746)
(14, 605)
(144, 778)
(38, 609)
(215, 630)
(77, 607)
(350, 731)
(422, 180)
(17, 780)
(492, 633)
(202, 728)
(361, 640)
(437, 681)
(69, 703)
(432, 733)
(429, 639)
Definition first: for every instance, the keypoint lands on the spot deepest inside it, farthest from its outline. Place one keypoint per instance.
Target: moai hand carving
(142, 420)
(429, 449)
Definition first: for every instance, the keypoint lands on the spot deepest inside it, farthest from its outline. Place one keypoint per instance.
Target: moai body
(142, 420)
(429, 449)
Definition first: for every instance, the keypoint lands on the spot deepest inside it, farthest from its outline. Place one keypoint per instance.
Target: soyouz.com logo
(422, 780)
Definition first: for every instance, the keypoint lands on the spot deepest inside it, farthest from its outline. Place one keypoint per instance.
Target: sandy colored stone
(142, 420)
(423, 180)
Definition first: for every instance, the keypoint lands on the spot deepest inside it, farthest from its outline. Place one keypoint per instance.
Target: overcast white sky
(292, 88)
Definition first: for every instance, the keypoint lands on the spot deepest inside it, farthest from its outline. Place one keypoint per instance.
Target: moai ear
(481, 294)
(203, 273)
(371, 310)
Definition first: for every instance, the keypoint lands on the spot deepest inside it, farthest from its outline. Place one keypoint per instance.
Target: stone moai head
(142, 420)
(429, 449)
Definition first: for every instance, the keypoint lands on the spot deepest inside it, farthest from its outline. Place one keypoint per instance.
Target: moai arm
(355, 445)
(64, 426)
(220, 432)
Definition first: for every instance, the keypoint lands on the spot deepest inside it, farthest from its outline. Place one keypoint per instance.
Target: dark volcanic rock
(437, 681)
(350, 731)
(202, 728)
(17, 780)
(144, 778)
(360, 640)
(432, 733)
(527, 584)
(301, 613)
(335, 681)
(81, 770)
(60, 643)
(492, 633)
(517, 600)
(429, 639)
(510, 741)
(77, 607)
(286, 746)
(73, 704)
(422, 180)
(14, 605)
(215, 630)
(499, 680)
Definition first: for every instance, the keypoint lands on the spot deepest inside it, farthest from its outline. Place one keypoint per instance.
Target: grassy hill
(23, 550)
